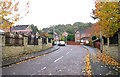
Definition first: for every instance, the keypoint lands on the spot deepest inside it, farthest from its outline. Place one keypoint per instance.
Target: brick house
(77, 36)
(22, 29)
(81, 35)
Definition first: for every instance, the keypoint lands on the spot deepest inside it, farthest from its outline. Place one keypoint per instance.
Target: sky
(43, 13)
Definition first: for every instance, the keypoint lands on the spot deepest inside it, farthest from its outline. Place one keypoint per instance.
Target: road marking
(50, 74)
(58, 59)
(13, 73)
(67, 53)
(33, 74)
(43, 68)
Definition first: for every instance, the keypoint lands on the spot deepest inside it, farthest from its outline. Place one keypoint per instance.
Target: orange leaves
(88, 66)
(10, 11)
(15, 6)
(94, 29)
(5, 25)
(107, 59)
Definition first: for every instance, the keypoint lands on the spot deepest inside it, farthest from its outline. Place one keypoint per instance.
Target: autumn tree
(11, 11)
(108, 14)
(94, 30)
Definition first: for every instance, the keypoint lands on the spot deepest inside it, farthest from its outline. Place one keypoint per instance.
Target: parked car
(85, 42)
(55, 42)
(61, 43)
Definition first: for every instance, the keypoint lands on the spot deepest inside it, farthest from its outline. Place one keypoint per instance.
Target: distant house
(77, 36)
(55, 36)
(22, 29)
(65, 34)
(84, 34)
(81, 34)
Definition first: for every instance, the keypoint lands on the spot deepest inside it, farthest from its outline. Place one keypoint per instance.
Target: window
(49, 40)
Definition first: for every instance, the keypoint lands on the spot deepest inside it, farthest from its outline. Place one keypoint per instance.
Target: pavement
(28, 56)
(98, 67)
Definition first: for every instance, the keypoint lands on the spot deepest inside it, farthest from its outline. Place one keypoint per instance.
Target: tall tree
(108, 14)
(34, 28)
(11, 11)
(94, 30)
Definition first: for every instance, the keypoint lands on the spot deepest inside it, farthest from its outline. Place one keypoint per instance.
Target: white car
(61, 43)
(84, 42)
(56, 42)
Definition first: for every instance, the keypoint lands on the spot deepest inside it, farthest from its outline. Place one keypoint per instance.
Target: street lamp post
(54, 36)
(101, 47)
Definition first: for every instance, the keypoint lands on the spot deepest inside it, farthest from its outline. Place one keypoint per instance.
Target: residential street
(68, 60)
(54, 38)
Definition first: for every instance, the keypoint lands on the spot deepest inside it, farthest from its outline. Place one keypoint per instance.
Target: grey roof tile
(19, 27)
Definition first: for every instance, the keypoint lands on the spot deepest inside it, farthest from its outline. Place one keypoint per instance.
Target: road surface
(68, 60)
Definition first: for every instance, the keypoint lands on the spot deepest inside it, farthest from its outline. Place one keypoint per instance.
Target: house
(56, 36)
(22, 29)
(81, 34)
(84, 34)
(77, 36)
(65, 34)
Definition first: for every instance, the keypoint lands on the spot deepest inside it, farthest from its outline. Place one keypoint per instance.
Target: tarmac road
(68, 60)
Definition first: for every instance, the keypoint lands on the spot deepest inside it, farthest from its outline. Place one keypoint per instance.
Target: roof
(80, 31)
(19, 27)
(45, 34)
(85, 38)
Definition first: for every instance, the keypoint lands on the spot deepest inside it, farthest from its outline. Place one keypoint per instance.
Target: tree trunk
(103, 41)
(108, 41)
(119, 41)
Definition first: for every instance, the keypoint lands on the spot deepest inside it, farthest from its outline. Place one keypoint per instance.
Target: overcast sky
(44, 13)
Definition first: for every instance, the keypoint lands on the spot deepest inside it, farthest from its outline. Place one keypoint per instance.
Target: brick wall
(1, 49)
(12, 51)
(112, 51)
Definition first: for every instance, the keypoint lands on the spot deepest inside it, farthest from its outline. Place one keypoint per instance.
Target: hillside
(71, 29)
